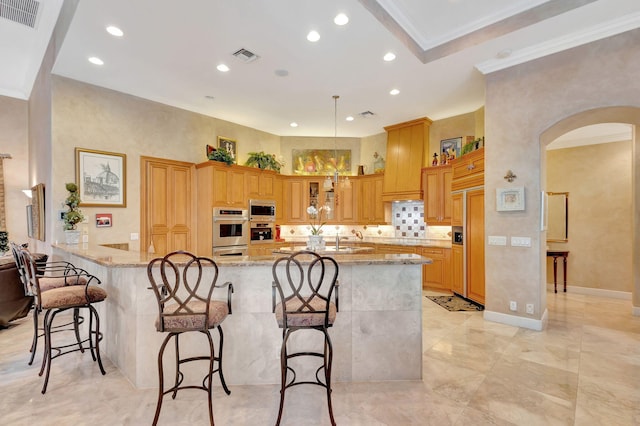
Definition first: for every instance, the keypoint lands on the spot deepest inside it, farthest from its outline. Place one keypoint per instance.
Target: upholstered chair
(60, 299)
(184, 287)
(305, 298)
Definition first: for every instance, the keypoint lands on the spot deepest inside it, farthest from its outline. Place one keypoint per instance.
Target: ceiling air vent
(23, 12)
(366, 114)
(245, 55)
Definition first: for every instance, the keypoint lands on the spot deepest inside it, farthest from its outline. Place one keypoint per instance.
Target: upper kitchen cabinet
(468, 170)
(261, 184)
(346, 205)
(371, 208)
(228, 187)
(436, 186)
(406, 144)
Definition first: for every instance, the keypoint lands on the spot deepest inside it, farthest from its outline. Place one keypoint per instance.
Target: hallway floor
(584, 369)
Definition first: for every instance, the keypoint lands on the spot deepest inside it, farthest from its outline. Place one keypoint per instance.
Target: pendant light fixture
(345, 183)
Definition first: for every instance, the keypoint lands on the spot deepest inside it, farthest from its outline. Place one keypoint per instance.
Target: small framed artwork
(101, 178)
(510, 199)
(446, 145)
(103, 220)
(230, 145)
(29, 220)
(37, 212)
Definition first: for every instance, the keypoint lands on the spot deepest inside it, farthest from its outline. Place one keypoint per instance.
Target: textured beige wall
(13, 140)
(598, 179)
(87, 116)
(452, 127)
(369, 146)
(289, 143)
(522, 102)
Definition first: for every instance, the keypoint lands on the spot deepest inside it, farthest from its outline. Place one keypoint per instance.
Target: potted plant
(73, 215)
(222, 155)
(263, 161)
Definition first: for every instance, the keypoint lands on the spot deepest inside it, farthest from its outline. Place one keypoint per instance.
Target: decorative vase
(316, 242)
(72, 236)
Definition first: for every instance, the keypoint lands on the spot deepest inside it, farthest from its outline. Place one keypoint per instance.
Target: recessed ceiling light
(389, 57)
(114, 31)
(313, 36)
(210, 97)
(96, 61)
(222, 68)
(349, 118)
(341, 19)
(394, 92)
(281, 73)
(293, 124)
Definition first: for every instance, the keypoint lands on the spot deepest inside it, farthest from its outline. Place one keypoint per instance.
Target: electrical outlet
(513, 305)
(529, 308)
(133, 236)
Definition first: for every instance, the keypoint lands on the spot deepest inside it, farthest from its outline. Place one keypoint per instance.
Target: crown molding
(597, 32)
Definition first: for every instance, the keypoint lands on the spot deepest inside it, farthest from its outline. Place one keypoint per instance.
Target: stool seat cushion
(48, 283)
(71, 295)
(305, 318)
(186, 321)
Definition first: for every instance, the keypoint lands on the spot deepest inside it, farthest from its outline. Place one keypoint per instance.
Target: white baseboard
(530, 323)
(600, 292)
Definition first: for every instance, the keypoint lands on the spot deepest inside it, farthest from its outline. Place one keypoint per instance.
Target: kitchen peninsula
(377, 335)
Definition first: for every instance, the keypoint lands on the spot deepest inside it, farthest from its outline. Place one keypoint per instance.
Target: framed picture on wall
(101, 178)
(37, 212)
(510, 199)
(454, 143)
(230, 145)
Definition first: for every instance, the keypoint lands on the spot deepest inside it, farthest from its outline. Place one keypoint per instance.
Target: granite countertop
(352, 241)
(111, 257)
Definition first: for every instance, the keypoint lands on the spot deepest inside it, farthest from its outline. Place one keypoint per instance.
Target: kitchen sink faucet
(338, 238)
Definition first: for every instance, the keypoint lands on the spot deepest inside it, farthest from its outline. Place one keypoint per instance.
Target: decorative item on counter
(444, 158)
(4, 242)
(263, 161)
(220, 154)
(361, 169)
(434, 162)
(73, 215)
(452, 155)
(378, 164)
(316, 241)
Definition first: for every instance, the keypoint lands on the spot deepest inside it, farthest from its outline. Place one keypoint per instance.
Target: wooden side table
(556, 254)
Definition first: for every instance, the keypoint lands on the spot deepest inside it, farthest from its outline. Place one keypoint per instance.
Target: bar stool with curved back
(60, 274)
(305, 283)
(176, 280)
(60, 299)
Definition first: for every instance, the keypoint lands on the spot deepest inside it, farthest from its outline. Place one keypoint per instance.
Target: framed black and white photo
(101, 178)
(510, 199)
(229, 145)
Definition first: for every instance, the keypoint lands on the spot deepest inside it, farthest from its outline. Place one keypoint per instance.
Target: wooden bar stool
(184, 285)
(305, 283)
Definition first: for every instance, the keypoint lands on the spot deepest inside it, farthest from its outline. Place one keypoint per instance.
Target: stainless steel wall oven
(230, 231)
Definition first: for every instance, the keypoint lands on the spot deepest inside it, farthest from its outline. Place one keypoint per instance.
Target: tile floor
(584, 369)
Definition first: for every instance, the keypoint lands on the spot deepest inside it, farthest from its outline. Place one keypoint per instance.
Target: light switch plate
(520, 242)
(497, 240)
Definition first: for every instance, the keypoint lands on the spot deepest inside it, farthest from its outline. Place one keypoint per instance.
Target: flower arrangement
(316, 215)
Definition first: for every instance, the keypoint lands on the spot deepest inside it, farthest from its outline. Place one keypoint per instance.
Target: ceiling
(170, 50)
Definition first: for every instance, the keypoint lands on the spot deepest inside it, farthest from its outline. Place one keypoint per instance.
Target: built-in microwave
(262, 210)
(261, 232)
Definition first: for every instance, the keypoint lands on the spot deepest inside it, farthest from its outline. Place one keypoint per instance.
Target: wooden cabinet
(346, 210)
(406, 144)
(437, 274)
(457, 269)
(474, 244)
(436, 187)
(295, 207)
(457, 209)
(260, 184)
(228, 187)
(391, 248)
(468, 170)
(371, 208)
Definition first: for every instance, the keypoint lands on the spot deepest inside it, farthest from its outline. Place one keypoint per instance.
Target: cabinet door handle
(471, 167)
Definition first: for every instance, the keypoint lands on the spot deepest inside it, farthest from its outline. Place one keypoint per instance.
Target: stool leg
(76, 328)
(48, 320)
(95, 348)
(212, 359)
(161, 378)
(177, 379)
(34, 343)
(224, 384)
(328, 361)
(283, 373)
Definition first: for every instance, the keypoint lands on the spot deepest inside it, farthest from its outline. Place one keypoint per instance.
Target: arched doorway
(630, 115)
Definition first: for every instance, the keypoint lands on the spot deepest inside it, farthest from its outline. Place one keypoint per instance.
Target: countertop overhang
(107, 256)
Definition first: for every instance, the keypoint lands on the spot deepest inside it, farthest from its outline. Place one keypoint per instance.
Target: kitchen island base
(377, 335)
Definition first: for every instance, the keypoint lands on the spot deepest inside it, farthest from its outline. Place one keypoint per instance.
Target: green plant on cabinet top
(263, 161)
